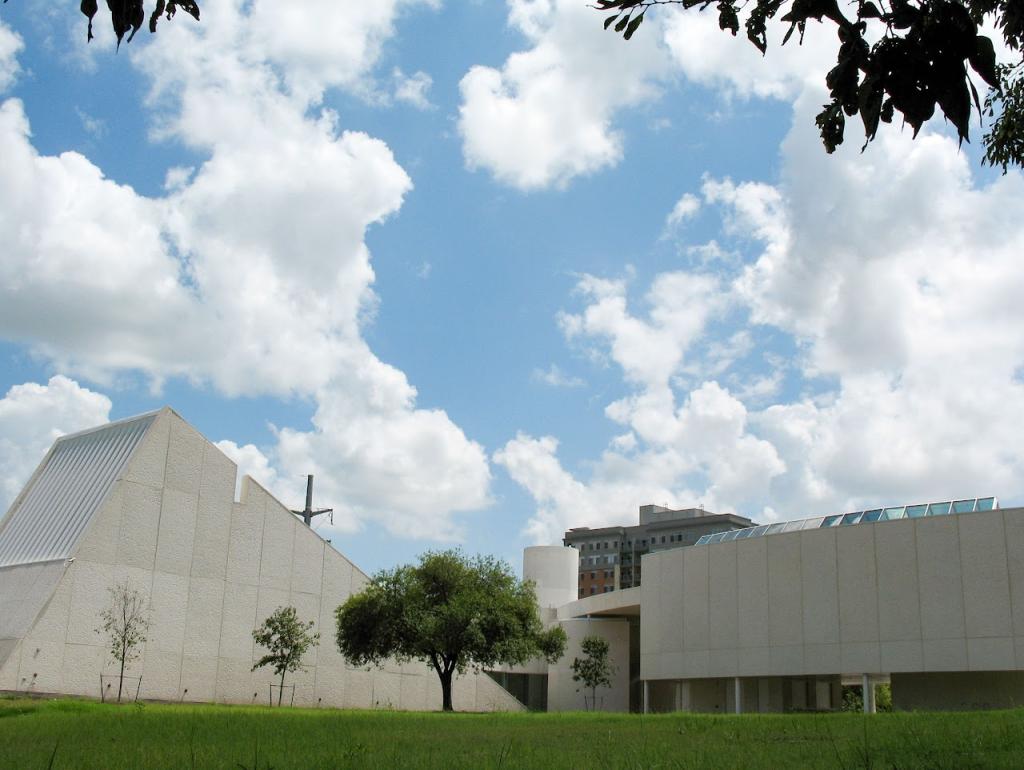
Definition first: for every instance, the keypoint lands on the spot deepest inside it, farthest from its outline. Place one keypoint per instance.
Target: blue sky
(490, 272)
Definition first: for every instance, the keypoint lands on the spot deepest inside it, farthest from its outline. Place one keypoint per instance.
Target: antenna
(308, 513)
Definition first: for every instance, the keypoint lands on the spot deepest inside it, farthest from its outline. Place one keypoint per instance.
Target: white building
(774, 618)
(149, 500)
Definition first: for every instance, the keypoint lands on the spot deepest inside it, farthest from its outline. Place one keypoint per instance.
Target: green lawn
(76, 734)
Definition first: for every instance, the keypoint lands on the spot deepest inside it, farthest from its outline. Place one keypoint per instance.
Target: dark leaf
(869, 11)
(983, 60)
(631, 27)
(609, 20)
(89, 8)
(622, 23)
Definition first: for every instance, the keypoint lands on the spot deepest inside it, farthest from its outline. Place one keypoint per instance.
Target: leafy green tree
(594, 669)
(894, 56)
(286, 639)
(125, 624)
(450, 611)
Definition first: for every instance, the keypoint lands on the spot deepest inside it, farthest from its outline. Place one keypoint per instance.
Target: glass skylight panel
(963, 506)
(716, 538)
(794, 525)
(814, 523)
(916, 511)
(831, 521)
(873, 515)
(939, 509)
(890, 514)
(851, 518)
(702, 539)
(758, 531)
(730, 535)
(744, 533)
(776, 528)
(986, 504)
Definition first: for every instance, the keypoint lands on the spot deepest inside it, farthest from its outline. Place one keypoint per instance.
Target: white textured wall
(213, 569)
(555, 570)
(931, 594)
(562, 690)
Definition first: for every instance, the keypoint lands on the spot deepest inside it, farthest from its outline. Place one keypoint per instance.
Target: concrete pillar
(737, 688)
(868, 694)
(647, 698)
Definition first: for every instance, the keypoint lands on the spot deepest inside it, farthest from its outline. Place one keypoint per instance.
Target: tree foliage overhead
(449, 611)
(911, 57)
(128, 15)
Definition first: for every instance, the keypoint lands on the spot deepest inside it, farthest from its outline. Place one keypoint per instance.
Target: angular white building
(150, 501)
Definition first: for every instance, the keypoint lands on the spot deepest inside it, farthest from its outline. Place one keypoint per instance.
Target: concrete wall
(213, 569)
(555, 571)
(913, 595)
(958, 691)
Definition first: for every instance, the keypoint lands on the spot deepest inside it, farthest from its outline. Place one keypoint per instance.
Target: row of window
(857, 517)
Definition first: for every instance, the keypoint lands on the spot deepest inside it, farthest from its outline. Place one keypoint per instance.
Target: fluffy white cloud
(686, 208)
(32, 417)
(10, 45)
(547, 115)
(556, 378)
(412, 89)
(251, 273)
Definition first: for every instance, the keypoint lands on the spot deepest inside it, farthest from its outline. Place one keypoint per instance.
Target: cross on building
(308, 513)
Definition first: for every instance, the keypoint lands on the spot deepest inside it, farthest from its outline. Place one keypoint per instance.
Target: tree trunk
(280, 692)
(120, 680)
(446, 690)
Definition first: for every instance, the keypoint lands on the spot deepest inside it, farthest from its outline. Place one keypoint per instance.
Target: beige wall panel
(168, 603)
(387, 690)
(41, 665)
(991, 654)
(140, 522)
(337, 580)
(235, 682)
(696, 609)
(819, 588)
(184, 458)
(10, 660)
(83, 664)
(858, 584)
(268, 601)
(203, 618)
(785, 603)
(89, 597)
(177, 532)
(278, 546)
(246, 542)
(902, 656)
(161, 674)
(330, 685)
(899, 612)
(861, 657)
(787, 659)
(104, 531)
(359, 689)
(752, 661)
(654, 592)
(696, 664)
(308, 564)
(237, 622)
(52, 624)
(1013, 526)
(723, 662)
(150, 457)
(986, 585)
(562, 695)
(413, 696)
(213, 515)
(723, 596)
(199, 677)
(752, 578)
(822, 659)
(938, 569)
(945, 654)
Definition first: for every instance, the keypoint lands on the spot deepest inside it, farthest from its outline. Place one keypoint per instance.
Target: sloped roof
(49, 516)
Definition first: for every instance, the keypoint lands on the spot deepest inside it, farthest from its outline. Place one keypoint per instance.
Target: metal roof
(46, 521)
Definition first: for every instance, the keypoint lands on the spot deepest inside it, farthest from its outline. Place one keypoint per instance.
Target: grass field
(75, 734)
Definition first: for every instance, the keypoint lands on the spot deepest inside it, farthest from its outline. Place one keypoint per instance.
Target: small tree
(125, 625)
(449, 611)
(287, 638)
(593, 669)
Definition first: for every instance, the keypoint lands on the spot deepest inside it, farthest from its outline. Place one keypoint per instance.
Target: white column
(647, 698)
(737, 688)
(868, 694)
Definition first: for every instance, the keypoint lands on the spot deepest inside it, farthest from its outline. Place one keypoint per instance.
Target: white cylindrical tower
(555, 570)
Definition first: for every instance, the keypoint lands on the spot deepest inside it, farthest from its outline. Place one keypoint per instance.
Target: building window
(593, 590)
(593, 575)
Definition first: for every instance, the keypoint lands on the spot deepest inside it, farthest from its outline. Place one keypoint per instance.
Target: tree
(131, 14)
(449, 611)
(287, 639)
(125, 624)
(593, 670)
(895, 56)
